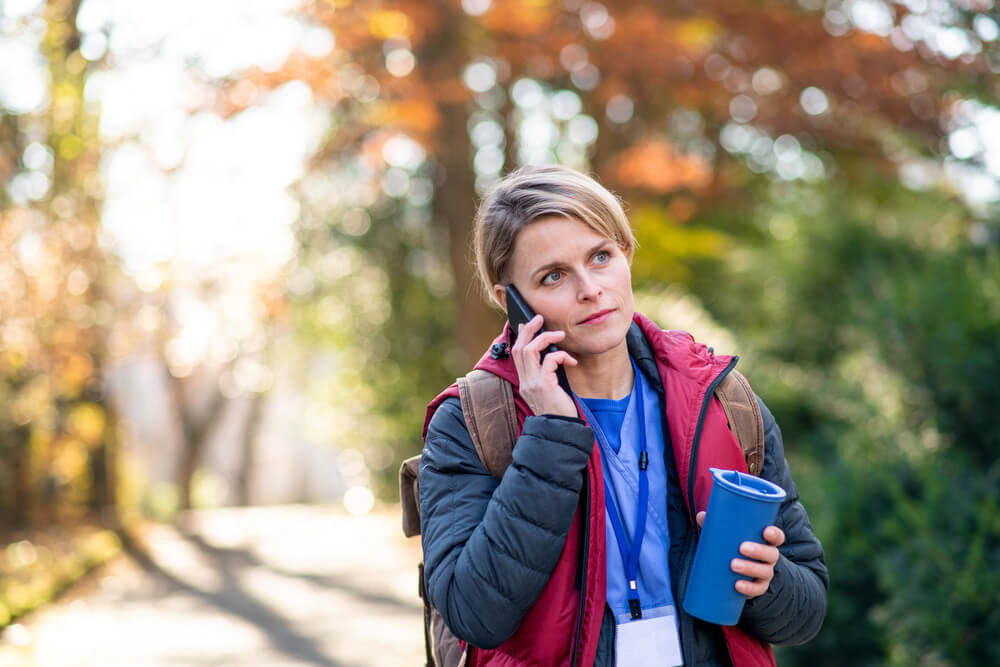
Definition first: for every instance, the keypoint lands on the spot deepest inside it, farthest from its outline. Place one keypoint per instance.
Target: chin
(598, 343)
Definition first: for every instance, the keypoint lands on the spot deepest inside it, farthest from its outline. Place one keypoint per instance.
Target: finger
(527, 331)
(774, 536)
(542, 341)
(752, 569)
(701, 518)
(752, 589)
(762, 552)
(528, 358)
(517, 353)
(554, 359)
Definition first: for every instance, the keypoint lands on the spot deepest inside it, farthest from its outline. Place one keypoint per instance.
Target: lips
(598, 317)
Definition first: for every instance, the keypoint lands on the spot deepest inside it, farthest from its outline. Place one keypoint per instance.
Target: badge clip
(633, 606)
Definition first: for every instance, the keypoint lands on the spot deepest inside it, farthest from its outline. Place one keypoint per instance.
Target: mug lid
(748, 485)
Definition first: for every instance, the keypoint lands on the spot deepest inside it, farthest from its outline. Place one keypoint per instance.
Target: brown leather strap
(744, 417)
(409, 495)
(428, 613)
(491, 417)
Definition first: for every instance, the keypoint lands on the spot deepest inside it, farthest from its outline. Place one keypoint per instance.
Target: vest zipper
(697, 439)
(686, 623)
(585, 556)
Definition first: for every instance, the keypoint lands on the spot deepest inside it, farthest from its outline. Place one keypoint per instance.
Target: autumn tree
(640, 94)
(56, 426)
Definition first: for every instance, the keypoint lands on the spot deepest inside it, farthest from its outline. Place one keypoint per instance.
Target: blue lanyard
(630, 557)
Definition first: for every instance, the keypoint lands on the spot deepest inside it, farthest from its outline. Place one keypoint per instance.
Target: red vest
(547, 633)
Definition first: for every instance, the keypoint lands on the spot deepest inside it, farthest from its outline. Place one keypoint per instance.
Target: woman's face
(579, 281)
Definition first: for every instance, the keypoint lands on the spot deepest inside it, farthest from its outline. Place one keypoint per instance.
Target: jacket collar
(678, 352)
(655, 351)
(501, 365)
(644, 338)
(650, 346)
(640, 350)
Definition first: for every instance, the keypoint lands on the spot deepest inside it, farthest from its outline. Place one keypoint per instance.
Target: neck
(605, 375)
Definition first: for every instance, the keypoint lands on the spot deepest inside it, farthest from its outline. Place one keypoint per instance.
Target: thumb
(701, 518)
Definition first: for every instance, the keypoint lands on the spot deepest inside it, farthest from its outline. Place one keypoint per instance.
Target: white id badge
(648, 642)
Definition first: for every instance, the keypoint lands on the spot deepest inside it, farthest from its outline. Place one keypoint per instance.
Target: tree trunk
(446, 54)
(19, 468)
(251, 429)
(195, 430)
(455, 206)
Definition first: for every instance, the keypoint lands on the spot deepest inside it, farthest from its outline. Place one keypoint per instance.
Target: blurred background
(235, 268)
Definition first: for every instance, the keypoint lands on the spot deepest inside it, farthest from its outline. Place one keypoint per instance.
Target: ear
(500, 296)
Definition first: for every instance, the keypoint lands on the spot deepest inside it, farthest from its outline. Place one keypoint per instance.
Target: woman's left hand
(761, 568)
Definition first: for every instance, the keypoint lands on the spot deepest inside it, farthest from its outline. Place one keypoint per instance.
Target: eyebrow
(545, 268)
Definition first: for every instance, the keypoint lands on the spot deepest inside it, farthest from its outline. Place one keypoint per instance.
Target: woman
(538, 568)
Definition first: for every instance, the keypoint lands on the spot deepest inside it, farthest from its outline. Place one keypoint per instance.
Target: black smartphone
(519, 312)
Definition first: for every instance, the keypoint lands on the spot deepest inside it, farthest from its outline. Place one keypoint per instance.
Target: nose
(587, 289)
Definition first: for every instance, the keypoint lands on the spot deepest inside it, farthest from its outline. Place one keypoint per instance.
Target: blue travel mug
(740, 507)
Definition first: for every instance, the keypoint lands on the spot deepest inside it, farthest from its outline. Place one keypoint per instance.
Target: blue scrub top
(619, 421)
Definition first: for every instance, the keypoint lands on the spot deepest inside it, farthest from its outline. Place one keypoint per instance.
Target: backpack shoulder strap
(744, 417)
(409, 495)
(491, 417)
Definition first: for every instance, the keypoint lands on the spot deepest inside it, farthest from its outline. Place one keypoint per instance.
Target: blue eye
(602, 257)
(551, 277)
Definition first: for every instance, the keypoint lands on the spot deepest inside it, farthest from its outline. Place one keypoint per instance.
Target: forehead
(552, 240)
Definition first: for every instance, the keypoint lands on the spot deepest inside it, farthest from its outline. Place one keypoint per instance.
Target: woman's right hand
(539, 385)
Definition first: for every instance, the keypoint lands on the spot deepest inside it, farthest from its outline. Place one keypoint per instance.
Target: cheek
(624, 284)
(554, 310)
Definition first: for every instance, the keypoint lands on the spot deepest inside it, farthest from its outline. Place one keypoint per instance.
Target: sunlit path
(291, 585)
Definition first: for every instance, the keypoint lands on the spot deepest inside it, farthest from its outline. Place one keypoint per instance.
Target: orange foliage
(418, 115)
(317, 73)
(386, 23)
(656, 55)
(663, 56)
(871, 42)
(74, 373)
(655, 165)
(358, 25)
(520, 17)
(682, 208)
(696, 34)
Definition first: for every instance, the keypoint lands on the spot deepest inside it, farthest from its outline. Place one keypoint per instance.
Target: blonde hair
(531, 193)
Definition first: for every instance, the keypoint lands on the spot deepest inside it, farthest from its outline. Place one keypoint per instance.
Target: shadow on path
(231, 598)
(227, 559)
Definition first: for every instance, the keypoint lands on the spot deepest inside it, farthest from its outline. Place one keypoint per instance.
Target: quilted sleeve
(794, 606)
(489, 547)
